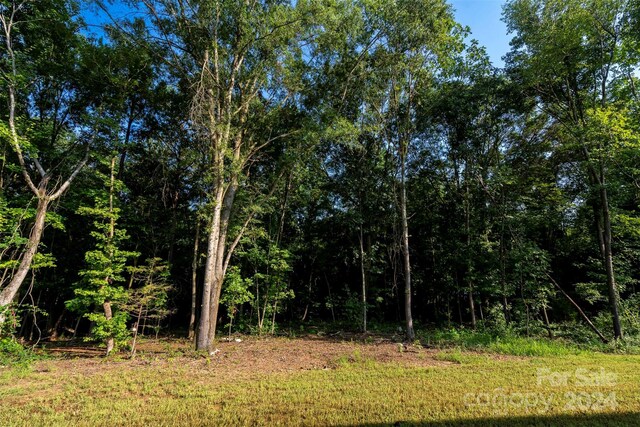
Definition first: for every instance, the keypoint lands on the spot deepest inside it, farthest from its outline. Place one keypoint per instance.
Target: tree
(101, 287)
(568, 53)
(239, 58)
(23, 74)
(404, 48)
(148, 302)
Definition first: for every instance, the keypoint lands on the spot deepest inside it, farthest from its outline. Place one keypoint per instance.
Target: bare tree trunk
(306, 308)
(405, 252)
(603, 225)
(546, 321)
(75, 329)
(273, 318)
(364, 283)
(577, 307)
(108, 315)
(221, 261)
(194, 283)
(34, 321)
(608, 262)
(214, 307)
(472, 308)
(333, 314)
(202, 340)
(8, 294)
(467, 219)
(136, 326)
(56, 327)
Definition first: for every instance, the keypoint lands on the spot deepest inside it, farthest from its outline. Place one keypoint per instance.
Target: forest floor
(344, 380)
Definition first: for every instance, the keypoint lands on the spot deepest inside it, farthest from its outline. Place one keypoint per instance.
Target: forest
(318, 212)
(205, 168)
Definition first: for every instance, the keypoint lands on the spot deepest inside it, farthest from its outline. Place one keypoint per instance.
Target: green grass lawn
(457, 388)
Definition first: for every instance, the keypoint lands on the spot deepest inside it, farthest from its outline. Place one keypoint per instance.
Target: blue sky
(484, 19)
(482, 16)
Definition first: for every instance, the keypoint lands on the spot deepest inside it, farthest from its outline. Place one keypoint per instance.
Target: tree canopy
(263, 165)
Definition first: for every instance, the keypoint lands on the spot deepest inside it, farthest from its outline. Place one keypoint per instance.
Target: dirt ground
(248, 355)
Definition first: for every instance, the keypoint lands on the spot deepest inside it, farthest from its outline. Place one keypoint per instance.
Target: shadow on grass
(600, 419)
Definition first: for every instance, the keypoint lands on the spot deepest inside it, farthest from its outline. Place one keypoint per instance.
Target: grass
(508, 344)
(457, 356)
(460, 388)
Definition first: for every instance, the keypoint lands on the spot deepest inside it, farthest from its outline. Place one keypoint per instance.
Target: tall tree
(569, 54)
(38, 94)
(238, 58)
(406, 47)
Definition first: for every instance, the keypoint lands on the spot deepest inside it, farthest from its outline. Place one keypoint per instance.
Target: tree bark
(110, 342)
(603, 229)
(472, 308)
(215, 265)
(108, 314)
(546, 322)
(364, 283)
(405, 252)
(222, 259)
(202, 341)
(56, 327)
(608, 262)
(194, 283)
(8, 294)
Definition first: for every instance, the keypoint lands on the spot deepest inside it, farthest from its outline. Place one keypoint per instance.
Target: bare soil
(249, 355)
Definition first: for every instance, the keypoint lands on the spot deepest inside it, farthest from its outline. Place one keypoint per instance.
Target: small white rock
(214, 352)
(238, 340)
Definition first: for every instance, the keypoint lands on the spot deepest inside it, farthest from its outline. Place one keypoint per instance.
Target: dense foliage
(358, 162)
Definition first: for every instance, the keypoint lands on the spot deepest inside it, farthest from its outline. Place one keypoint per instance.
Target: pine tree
(100, 294)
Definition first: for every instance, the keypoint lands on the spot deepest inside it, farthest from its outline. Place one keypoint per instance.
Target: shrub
(14, 354)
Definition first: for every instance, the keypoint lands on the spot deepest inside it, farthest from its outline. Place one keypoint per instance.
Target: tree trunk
(364, 283)
(608, 262)
(333, 314)
(546, 322)
(108, 315)
(8, 294)
(194, 283)
(273, 318)
(472, 308)
(214, 306)
(603, 225)
(220, 266)
(202, 341)
(577, 307)
(467, 220)
(405, 252)
(135, 332)
(56, 327)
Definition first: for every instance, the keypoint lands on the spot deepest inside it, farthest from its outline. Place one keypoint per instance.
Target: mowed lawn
(319, 381)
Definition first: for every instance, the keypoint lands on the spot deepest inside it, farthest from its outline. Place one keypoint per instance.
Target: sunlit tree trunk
(406, 261)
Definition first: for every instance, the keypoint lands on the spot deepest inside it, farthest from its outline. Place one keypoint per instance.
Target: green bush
(14, 354)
